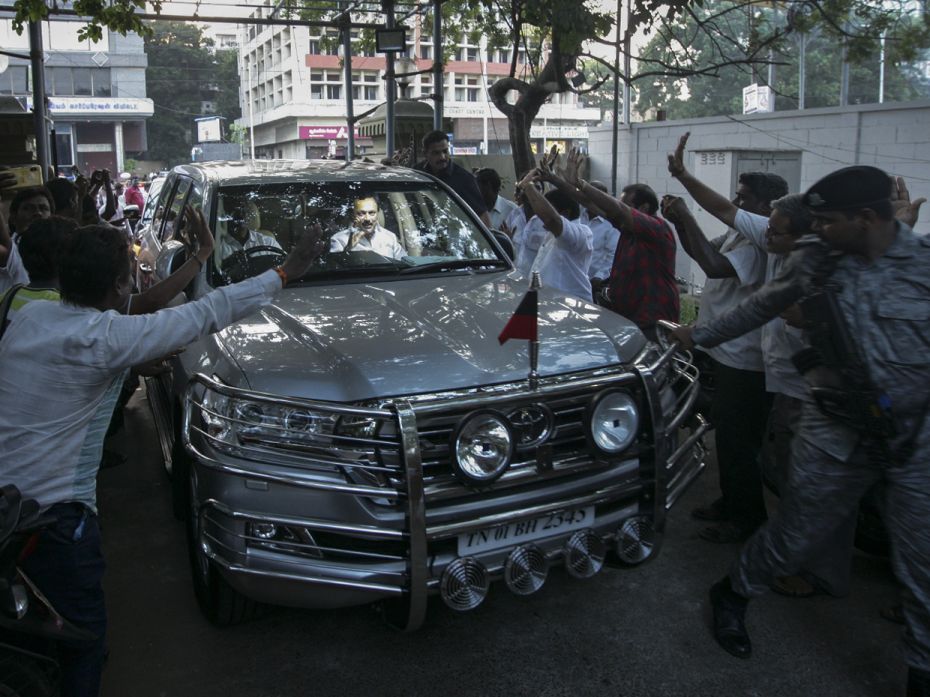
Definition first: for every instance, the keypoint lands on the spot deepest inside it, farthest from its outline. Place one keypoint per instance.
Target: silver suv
(366, 438)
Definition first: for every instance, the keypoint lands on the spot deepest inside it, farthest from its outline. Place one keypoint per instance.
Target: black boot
(918, 682)
(729, 619)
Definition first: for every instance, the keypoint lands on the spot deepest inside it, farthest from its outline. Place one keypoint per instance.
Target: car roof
(246, 172)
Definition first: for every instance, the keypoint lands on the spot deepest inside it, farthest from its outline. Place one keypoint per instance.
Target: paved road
(630, 633)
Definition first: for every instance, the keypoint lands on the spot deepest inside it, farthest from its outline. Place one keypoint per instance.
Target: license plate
(512, 534)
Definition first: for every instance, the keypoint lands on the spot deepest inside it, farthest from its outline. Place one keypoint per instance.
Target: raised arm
(544, 210)
(718, 206)
(767, 303)
(693, 240)
(617, 212)
(163, 292)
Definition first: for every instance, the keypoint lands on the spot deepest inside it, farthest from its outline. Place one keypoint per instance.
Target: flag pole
(534, 343)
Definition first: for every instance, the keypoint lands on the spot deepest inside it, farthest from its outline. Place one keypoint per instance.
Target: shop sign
(325, 132)
(105, 106)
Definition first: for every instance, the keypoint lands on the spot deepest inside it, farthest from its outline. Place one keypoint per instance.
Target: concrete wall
(894, 137)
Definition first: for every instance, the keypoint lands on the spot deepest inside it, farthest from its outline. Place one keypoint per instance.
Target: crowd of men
(814, 330)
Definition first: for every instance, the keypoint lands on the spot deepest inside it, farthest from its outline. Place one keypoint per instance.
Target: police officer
(876, 270)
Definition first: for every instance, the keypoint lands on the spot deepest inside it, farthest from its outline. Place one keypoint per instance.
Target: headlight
(614, 422)
(482, 447)
(231, 421)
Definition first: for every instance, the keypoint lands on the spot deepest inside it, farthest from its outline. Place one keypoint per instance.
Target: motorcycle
(29, 625)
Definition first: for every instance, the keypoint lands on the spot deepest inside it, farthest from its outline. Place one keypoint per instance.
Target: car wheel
(20, 676)
(222, 604)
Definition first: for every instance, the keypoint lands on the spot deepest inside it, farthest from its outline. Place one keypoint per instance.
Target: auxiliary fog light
(584, 554)
(464, 584)
(526, 570)
(635, 540)
(263, 531)
(614, 422)
(482, 447)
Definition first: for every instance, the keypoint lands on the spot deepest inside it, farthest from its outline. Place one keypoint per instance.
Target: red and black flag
(522, 325)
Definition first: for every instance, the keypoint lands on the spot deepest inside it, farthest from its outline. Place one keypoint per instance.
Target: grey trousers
(822, 496)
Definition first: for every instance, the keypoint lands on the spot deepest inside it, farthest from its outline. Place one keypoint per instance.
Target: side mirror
(173, 255)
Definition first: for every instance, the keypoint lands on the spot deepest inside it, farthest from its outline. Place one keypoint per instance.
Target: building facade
(96, 93)
(293, 93)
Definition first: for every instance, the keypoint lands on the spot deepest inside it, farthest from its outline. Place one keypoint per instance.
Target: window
(78, 82)
(426, 47)
(102, 87)
(15, 80)
(467, 88)
(83, 84)
(365, 85)
(325, 84)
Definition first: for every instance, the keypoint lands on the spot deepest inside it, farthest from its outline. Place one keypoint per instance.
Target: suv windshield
(372, 229)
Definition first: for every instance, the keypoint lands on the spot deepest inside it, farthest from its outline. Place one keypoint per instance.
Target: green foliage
(719, 91)
(120, 16)
(181, 73)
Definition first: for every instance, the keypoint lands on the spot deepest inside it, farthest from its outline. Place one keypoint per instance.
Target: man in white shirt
(735, 268)
(564, 255)
(499, 208)
(367, 233)
(605, 239)
(58, 363)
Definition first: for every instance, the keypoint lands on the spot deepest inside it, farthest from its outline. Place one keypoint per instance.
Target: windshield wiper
(456, 264)
(352, 271)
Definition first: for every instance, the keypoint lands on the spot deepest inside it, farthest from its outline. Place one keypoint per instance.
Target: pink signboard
(325, 132)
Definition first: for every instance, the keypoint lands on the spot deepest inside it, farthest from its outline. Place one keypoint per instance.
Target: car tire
(220, 603)
(20, 676)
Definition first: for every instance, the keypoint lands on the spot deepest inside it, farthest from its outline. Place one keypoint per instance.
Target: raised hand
(573, 164)
(676, 160)
(905, 210)
(674, 209)
(199, 233)
(309, 246)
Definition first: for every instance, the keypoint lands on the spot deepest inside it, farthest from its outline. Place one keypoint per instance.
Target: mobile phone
(26, 175)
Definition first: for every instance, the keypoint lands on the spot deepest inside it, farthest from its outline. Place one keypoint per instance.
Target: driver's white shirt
(229, 245)
(382, 241)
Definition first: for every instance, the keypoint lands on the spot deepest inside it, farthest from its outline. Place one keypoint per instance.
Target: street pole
(350, 98)
(251, 111)
(844, 75)
(39, 109)
(391, 85)
(615, 141)
(802, 71)
(438, 86)
(881, 72)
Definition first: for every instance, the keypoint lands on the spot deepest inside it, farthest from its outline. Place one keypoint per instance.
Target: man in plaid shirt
(642, 284)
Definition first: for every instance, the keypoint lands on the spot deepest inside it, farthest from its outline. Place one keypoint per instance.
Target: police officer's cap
(855, 187)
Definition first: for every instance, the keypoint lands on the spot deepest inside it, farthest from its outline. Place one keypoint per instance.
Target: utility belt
(856, 409)
(859, 408)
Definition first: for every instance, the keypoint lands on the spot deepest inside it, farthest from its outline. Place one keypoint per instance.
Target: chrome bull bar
(407, 489)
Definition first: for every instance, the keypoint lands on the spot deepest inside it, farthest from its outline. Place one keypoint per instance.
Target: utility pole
(615, 141)
(39, 109)
(390, 86)
(350, 98)
(438, 77)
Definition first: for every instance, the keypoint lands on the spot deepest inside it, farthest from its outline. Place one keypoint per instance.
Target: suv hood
(354, 342)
